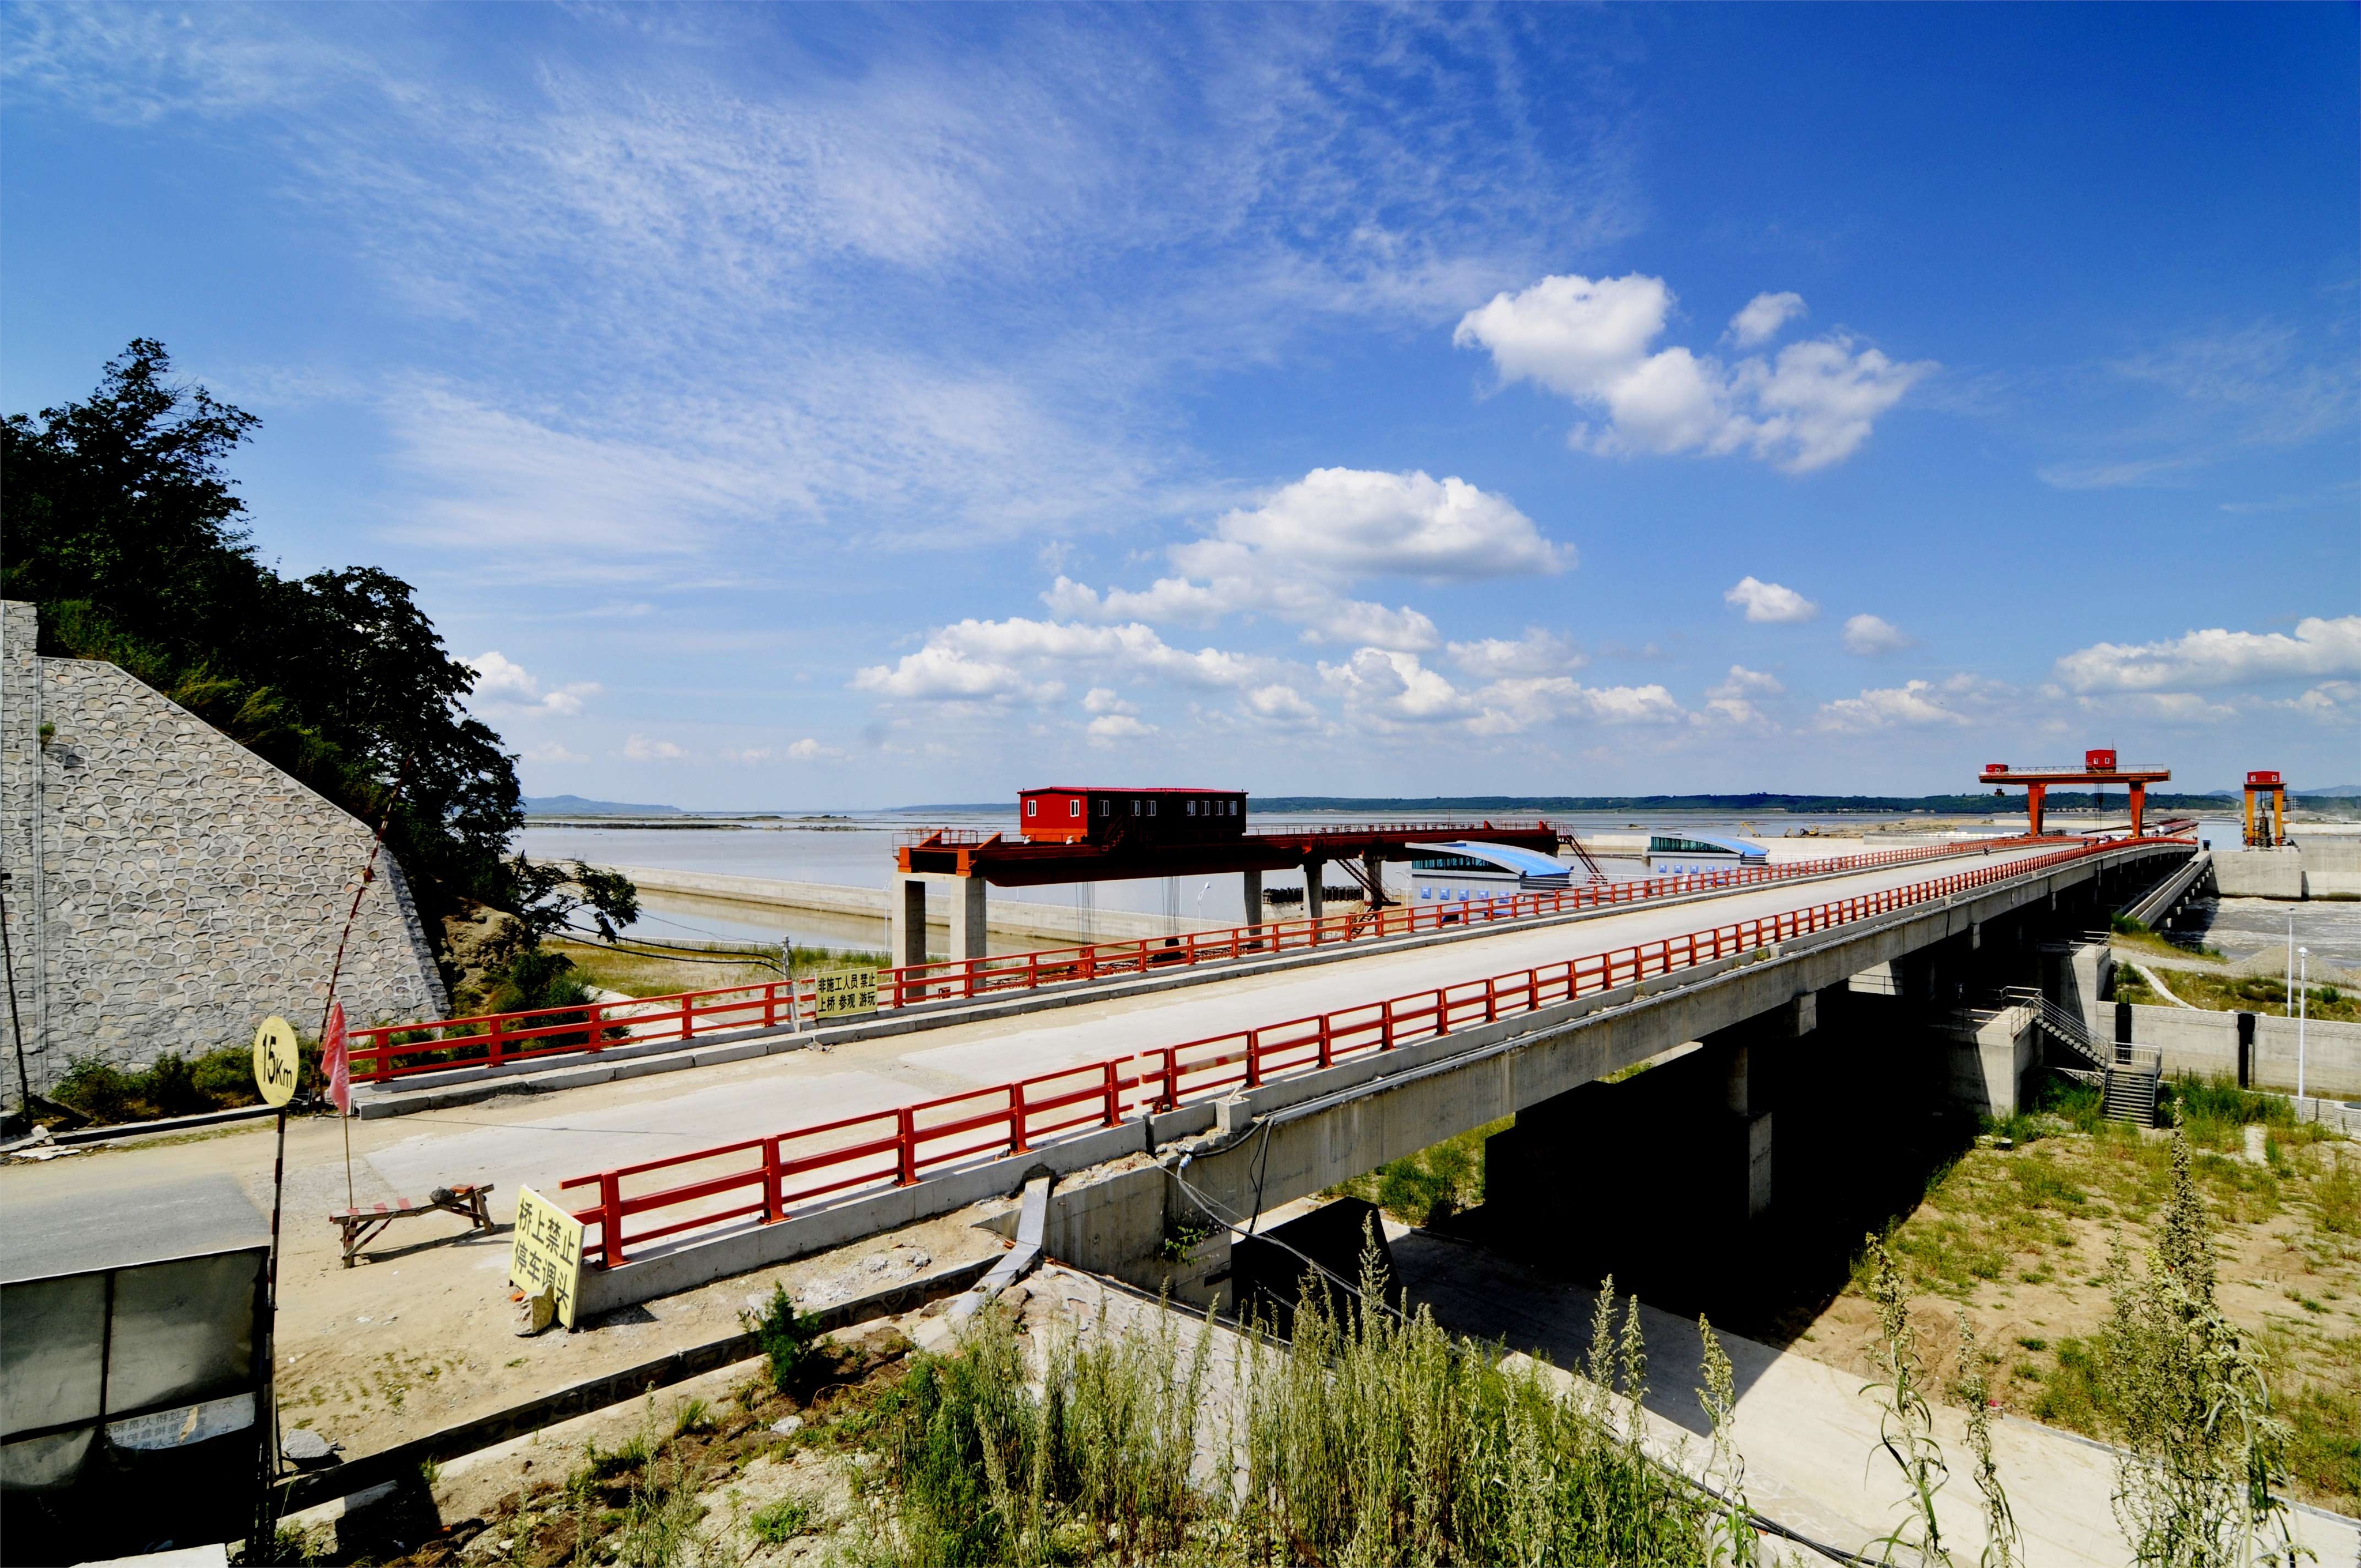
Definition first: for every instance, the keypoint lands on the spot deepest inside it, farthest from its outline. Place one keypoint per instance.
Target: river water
(857, 851)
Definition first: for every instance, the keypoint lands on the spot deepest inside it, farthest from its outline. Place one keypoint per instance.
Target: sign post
(277, 1064)
(545, 1257)
(843, 994)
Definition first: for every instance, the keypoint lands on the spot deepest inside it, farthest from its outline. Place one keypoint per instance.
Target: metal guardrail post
(611, 1218)
(1016, 1117)
(774, 1201)
(906, 1146)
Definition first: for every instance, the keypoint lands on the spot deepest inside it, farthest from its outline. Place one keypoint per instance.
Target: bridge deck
(635, 1121)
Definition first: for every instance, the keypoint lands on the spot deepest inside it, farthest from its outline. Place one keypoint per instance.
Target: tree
(124, 527)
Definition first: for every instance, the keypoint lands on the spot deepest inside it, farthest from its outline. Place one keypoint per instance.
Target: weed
(1905, 1426)
(782, 1522)
(691, 1418)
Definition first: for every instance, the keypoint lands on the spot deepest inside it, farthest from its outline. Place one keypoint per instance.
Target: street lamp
(2302, 999)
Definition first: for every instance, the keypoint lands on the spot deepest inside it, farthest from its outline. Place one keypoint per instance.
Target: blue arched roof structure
(1530, 869)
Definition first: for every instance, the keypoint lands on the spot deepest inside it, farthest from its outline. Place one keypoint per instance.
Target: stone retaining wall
(168, 889)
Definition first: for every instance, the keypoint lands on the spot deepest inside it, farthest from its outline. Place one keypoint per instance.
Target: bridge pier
(1253, 889)
(1315, 888)
(905, 907)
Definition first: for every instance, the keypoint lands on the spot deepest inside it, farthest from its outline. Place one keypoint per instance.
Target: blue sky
(797, 406)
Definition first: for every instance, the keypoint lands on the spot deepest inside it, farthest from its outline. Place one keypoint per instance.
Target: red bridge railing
(388, 1051)
(769, 1179)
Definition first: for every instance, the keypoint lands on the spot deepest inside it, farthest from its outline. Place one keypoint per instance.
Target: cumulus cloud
(1293, 556)
(1590, 341)
(2218, 658)
(505, 688)
(1387, 689)
(1020, 660)
(810, 750)
(1108, 728)
(640, 749)
(1103, 699)
(1733, 698)
(1281, 707)
(1762, 317)
(2330, 702)
(1770, 602)
(1537, 652)
(1869, 635)
(1910, 705)
(552, 752)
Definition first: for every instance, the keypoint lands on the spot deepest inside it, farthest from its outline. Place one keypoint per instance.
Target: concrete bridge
(1750, 1015)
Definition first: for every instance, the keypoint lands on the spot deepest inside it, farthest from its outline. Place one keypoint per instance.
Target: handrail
(901, 1145)
(384, 1052)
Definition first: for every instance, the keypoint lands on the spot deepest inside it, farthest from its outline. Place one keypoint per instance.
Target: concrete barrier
(1009, 916)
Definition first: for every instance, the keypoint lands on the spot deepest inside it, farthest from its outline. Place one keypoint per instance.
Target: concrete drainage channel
(471, 1085)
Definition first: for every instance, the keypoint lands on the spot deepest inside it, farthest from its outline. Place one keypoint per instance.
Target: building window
(1032, 808)
(1073, 808)
(1193, 809)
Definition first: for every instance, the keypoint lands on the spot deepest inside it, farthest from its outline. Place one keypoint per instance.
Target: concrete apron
(468, 1085)
(1344, 1120)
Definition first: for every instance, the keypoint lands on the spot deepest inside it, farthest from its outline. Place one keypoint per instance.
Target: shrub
(96, 1087)
(787, 1337)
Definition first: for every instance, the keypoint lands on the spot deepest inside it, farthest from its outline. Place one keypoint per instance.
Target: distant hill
(574, 805)
(2338, 791)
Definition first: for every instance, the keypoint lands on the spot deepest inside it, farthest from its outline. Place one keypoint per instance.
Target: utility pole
(2302, 1006)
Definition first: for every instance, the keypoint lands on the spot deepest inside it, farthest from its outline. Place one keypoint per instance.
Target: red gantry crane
(2099, 770)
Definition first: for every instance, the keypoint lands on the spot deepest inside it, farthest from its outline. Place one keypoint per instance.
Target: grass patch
(782, 1522)
(1430, 1185)
(2242, 993)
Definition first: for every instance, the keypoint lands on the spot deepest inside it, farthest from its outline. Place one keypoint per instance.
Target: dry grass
(2021, 1238)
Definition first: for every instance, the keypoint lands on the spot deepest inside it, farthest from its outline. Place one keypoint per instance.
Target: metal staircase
(2064, 1026)
(2133, 1079)
(2127, 1076)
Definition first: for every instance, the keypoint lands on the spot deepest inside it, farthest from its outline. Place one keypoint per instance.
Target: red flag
(336, 1061)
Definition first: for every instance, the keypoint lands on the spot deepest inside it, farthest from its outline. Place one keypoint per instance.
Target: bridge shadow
(1653, 1184)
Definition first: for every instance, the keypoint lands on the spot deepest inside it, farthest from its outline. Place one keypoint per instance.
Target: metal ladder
(2131, 1082)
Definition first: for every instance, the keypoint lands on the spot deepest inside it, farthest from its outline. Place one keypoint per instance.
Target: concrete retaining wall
(169, 889)
(2260, 873)
(2332, 862)
(2207, 1044)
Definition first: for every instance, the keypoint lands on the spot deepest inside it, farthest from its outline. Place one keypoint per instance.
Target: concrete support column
(1253, 888)
(1372, 870)
(905, 917)
(1316, 889)
(967, 917)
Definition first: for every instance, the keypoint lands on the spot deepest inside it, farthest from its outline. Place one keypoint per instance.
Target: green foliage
(173, 1085)
(782, 1522)
(787, 1338)
(1907, 1423)
(1426, 1187)
(124, 526)
(2189, 1401)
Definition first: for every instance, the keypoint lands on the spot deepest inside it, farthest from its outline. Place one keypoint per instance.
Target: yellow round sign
(276, 1063)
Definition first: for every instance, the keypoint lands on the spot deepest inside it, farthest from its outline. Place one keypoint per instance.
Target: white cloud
(1589, 341)
(1022, 660)
(1291, 557)
(504, 689)
(1734, 699)
(1386, 689)
(551, 751)
(1103, 699)
(2218, 658)
(2330, 702)
(1281, 707)
(640, 749)
(2162, 707)
(1108, 728)
(1762, 317)
(1913, 704)
(810, 750)
(1869, 635)
(1537, 652)
(1769, 602)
